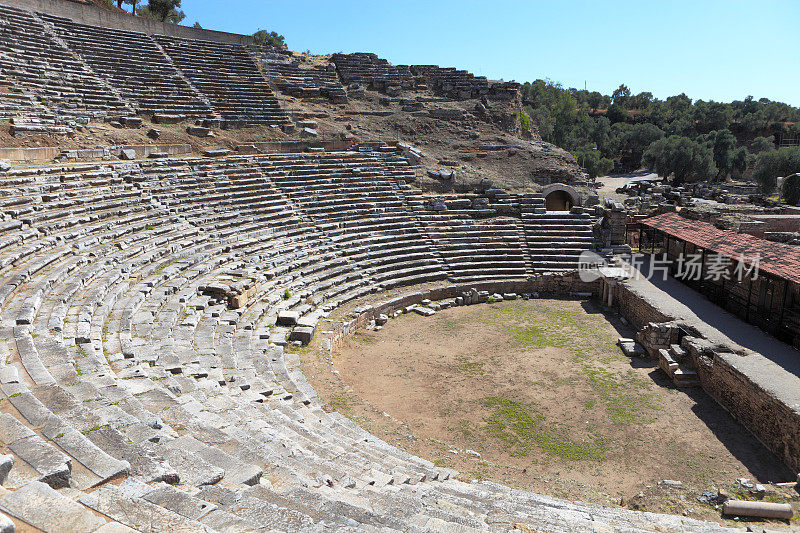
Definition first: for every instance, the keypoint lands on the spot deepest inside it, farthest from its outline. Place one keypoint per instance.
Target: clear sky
(710, 49)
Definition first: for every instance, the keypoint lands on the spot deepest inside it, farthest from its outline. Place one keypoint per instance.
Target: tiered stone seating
(40, 64)
(134, 65)
(479, 251)
(137, 396)
(506, 90)
(306, 82)
(27, 115)
(18, 104)
(371, 71)
(556, 240)
(355, 201)
(451, 82)
(469, 236)
(228, 77)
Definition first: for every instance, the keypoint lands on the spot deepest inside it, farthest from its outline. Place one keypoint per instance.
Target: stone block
(6, 524)
(302, 334)
(127, 154)
(49, 510)
(198, 131)
(219, 152)
(6, 462)
(288, 318)
(131, 122)
(163, 118)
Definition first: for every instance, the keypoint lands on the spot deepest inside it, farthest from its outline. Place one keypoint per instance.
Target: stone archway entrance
(560, 197)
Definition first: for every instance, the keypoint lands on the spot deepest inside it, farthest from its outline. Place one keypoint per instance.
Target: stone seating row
(135, 65)
(85, 71)
(371, 71)
(155, 401)
(291, 79)
(16, 104)
(451, 82)
(42, 65)
(228, 78)
(475, 251)
(556, 240)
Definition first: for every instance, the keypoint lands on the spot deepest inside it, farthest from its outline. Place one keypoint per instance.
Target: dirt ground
(478, 147)
(536, 394)
(97, 134)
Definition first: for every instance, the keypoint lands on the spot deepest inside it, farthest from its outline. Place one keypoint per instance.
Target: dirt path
(536, 394)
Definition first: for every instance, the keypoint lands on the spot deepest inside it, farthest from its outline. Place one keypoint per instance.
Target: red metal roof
(781, 260)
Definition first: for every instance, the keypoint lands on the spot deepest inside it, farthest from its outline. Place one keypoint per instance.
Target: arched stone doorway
(560, 197)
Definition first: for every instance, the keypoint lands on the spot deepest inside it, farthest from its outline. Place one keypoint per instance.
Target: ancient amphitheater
(148, 305)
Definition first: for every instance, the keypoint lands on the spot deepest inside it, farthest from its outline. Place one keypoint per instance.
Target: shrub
(524, 121)
(791, 189)
(269, 38)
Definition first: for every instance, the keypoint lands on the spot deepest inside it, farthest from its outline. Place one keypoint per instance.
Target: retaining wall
(636, 309)
(94, 16)
(545, 285)
(774, 423)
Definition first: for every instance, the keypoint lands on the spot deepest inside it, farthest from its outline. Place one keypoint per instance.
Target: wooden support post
(783, 302)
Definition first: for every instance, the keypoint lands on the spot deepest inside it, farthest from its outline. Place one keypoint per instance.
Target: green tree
(595, 100)
(712, 115)
(766, 171)
(269, 38)
(683, 127)
(680, 157)
(617, 113)
(634, 143)
(775, 163)
(791, 189)
(640, 101)
(621, 96)
(762, 144)
(164, 10)
(727, 157)
(678, 105)
(593, 162)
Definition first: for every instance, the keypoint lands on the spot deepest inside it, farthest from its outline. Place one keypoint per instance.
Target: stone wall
(616, 222)
(774, 423)
(546, 285)
(88, 14)
(655, 337)
(636, 309)
(770, 223)
(770, 420)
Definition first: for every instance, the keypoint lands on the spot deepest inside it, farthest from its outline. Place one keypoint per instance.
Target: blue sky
(710, 49)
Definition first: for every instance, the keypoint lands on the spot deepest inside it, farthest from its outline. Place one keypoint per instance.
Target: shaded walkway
(772, 364)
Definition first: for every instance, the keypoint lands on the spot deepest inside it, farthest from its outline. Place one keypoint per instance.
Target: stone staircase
(672, 362)
(557, 239)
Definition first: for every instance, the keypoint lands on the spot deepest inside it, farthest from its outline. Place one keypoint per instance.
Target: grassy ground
(537, 395)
